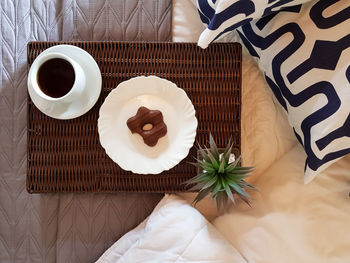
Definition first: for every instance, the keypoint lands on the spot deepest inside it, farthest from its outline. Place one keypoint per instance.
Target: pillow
(304, 52)
(223, 16)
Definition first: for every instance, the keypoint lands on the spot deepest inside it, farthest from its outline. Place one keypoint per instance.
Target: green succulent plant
(218, 176)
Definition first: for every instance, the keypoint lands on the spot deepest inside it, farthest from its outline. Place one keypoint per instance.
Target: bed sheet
(266, 134)
(290, 221)
(62, 227)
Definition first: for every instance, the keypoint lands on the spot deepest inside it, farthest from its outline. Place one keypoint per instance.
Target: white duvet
(289, 221)
(174, 232)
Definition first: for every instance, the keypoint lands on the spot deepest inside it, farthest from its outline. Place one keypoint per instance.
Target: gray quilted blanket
(62, 227)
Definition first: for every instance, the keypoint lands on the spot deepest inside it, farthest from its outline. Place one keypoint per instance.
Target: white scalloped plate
(128, 150)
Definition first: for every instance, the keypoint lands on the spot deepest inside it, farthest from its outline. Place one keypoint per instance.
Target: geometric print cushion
(222, 16)
(304, 52)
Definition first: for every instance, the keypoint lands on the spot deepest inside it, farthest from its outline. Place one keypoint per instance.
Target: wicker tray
(66, 156)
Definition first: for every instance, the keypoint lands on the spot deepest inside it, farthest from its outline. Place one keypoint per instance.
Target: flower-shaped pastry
(149, 124)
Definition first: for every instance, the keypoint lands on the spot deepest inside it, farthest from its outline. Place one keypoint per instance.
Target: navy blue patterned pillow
(222, 16)
(304, 52)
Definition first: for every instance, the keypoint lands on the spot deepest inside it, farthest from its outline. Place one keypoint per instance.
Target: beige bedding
(289, 221)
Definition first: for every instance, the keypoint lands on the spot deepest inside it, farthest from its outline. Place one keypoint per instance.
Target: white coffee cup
(74, 93)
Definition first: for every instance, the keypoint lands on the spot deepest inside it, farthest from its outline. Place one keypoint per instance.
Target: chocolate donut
(144, 117)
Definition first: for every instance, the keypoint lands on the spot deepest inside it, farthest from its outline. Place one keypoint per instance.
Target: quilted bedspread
(62, 227)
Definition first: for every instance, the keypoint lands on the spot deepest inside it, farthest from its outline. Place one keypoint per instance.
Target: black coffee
(56, 77)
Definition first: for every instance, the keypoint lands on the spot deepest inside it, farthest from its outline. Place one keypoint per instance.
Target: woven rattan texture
(66, 156)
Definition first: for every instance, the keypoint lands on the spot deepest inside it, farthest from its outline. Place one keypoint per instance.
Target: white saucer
(127, 149)
(91, 93)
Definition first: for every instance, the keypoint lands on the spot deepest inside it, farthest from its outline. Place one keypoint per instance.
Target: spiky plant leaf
(227, 153)
(211, 182)
(203, 154)
(214, 160)
(235, 169)
(239, 190)
(236, 177)
(204, 177)
(221, 169)
(201, 195)
(208, 167)
(248, 186)
(229, 193)
(197, 179)
(243, 169)
(216, 189)
(197, 164)
(196, 187)
(245, 199)
(213, 148)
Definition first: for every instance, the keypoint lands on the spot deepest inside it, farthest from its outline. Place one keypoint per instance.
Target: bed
(288, 222)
